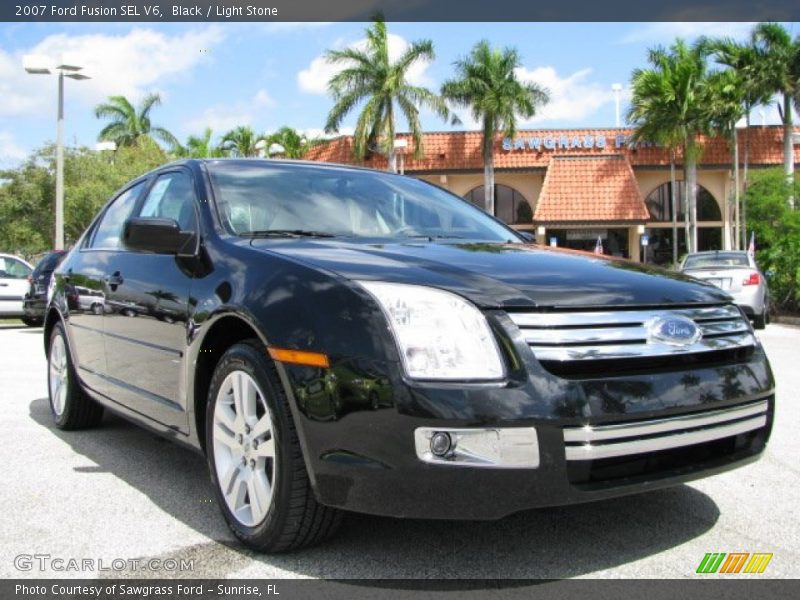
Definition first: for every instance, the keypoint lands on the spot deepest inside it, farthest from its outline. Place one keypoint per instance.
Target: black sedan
(338, 338)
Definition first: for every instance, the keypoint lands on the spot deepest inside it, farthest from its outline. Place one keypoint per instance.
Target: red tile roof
(461, 150)
(590, 188)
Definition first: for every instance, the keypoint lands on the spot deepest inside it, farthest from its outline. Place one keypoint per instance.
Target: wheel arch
(222, 333)
(51, 318)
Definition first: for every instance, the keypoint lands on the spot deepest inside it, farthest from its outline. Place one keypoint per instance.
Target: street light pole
(40, 65)
(59, 245)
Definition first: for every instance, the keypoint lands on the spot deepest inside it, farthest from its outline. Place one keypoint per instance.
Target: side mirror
(159, 236)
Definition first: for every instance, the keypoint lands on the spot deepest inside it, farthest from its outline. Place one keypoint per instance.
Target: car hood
(501, 275)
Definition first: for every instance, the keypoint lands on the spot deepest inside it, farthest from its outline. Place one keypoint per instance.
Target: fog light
(440, 443)
(499, 448)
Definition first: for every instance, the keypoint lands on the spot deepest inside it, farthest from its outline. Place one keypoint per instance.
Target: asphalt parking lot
(119, 492)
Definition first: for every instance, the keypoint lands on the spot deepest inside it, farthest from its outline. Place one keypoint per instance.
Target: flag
(598, 247)
(751, 249)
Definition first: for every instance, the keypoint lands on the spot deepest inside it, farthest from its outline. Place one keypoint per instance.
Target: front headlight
(440, 335)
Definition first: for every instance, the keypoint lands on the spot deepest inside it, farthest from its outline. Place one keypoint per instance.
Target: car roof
(271, 161)
(5, 255)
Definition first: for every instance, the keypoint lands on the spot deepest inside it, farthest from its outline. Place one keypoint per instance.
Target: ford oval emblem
(674, 330)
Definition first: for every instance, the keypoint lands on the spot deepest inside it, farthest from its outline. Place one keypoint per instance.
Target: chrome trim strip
(619, 317)
(677, 440)
(649, 349)
(672, 424)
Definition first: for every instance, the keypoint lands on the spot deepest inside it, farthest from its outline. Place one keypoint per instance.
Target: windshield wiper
(286, 233)
(435, 237)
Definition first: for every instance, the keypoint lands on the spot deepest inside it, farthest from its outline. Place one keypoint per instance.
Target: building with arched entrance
(571, 187)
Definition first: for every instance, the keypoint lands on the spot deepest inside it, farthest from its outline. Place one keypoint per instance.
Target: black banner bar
(396, 10)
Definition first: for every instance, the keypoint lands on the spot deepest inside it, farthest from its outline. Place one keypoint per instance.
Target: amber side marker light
(299, 357)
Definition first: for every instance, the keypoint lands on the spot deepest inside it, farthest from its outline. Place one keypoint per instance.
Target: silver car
(735, 272)
(14, 284)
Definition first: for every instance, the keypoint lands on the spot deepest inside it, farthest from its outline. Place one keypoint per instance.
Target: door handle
(115, 280)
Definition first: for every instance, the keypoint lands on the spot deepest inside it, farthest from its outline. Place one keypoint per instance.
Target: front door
(147, 303)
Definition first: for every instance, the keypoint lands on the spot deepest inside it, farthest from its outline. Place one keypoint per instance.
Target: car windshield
(716, 261)
(282, 199)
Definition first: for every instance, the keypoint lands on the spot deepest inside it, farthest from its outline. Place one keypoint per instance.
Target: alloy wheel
(244, 448)
(59, 375)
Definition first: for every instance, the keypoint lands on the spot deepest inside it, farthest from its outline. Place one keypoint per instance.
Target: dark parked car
(35, 301)
(341, 338)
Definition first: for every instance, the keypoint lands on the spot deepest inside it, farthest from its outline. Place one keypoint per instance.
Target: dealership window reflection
(510, 206)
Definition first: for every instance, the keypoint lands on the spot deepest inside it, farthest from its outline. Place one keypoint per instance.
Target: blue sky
(270, 75)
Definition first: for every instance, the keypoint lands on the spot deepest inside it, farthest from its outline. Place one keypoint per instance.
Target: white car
(14, 284)
(736, 272)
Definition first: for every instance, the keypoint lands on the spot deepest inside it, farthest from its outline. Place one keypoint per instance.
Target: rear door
(146, 311)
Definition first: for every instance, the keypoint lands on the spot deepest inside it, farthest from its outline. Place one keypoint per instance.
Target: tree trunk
(736, 195)
(742, 240)
(687, 234)
(788, 147)
(674, 205)
(488, 177)
(691, 184)
(392, 160)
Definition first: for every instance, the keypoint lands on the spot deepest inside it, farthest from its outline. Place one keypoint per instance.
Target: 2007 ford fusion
(337, 338)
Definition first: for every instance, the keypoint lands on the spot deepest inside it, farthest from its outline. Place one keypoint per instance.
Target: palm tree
(669, 105)
(129, 125)
(199, 146)
(371, 78)
(744, 61)
(242, 142)
(780, 57)
(726, 91)
(294, 143)
(487, 84)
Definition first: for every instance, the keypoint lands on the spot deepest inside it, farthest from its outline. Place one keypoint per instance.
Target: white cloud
(223, 118)
(572, 98)
(11, 153)
(129, 65)
(667, 32)
(315, 78)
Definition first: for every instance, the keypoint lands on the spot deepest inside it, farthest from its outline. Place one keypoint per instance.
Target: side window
(172, 197)
(10, 267)
(108, 233)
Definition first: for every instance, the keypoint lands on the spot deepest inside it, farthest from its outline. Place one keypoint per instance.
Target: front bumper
(631, 423)
(365, 460)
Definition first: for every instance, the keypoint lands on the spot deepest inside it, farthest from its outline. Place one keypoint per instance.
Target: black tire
(32, 321)
(79, 411)
(294, 518)
(760, 321)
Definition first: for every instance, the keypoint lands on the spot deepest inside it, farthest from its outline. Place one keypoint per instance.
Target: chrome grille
(638, 437)
(620, 334)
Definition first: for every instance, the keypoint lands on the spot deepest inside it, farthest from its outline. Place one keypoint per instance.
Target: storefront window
(659, 248)
(615, 241)
(659, 204)
(509, 205)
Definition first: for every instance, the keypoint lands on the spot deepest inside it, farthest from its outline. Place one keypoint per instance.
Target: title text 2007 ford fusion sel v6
(337, 338)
